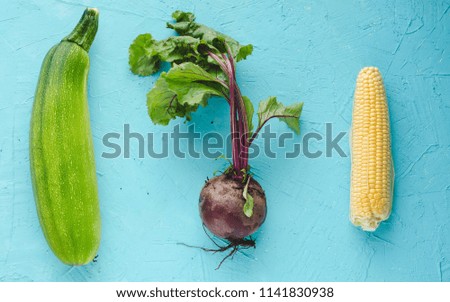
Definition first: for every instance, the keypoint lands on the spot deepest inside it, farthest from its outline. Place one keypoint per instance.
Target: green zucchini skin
(61, 149)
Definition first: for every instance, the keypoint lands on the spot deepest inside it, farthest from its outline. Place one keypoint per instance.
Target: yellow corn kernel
(372, 172)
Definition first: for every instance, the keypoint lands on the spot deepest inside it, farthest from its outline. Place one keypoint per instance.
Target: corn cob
(372, 170)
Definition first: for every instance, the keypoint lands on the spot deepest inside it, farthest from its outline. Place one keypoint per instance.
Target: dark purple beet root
(221, 207)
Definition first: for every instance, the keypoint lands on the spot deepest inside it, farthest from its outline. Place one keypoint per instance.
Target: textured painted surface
(304, 50)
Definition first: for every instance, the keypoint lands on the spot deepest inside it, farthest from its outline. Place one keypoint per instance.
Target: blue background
(304, 50)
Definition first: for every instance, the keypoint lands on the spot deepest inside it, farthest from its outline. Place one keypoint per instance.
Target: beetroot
(203, 64)
(221, 203)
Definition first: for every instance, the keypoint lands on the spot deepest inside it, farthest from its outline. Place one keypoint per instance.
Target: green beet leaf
(163, 104)
(180, 91)
(143, 57)
(179, 49)
(192, 84)
(271, 108)
(249, 110)
(186, 26)
(249, 202)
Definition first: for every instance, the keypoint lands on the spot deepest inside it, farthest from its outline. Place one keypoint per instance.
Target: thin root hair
(234, 245)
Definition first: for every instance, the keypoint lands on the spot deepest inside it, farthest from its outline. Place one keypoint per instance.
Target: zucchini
(61, 148)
